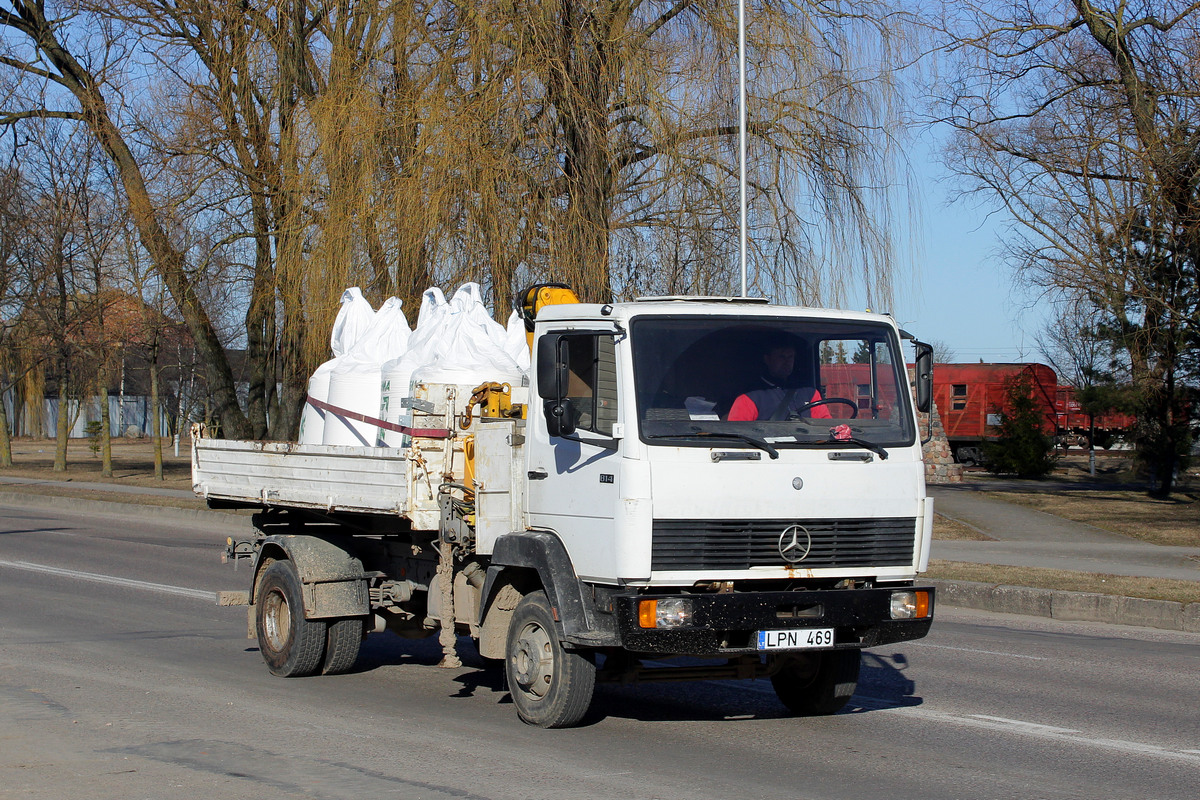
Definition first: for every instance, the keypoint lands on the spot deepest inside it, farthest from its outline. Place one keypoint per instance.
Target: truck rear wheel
(550, 685)
(341, 645)
(816, 683)
(291, 645)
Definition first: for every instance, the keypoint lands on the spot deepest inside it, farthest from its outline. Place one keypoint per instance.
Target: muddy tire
(551, 686)
(292, 646)
(816, 684)
(341, 645)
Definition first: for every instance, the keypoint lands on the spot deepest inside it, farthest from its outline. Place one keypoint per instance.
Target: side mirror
(560, 417)
(553, 364)
(553, 374)
(924, 376)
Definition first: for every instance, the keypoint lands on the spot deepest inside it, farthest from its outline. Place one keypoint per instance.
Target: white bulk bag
(396, 373)
(353, 386)
(387, 337)
(470, 346)
(312, 420)
(393, 380)
(516, 342)
(353, 320)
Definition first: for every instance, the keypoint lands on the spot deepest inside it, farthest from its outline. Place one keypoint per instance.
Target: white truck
(611, 516)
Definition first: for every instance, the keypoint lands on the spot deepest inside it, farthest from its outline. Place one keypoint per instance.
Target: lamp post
(742, 142)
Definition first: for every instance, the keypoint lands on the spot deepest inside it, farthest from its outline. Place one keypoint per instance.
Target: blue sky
(958, 290)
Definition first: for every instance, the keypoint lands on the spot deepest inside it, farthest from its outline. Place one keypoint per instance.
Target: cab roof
(699, 306)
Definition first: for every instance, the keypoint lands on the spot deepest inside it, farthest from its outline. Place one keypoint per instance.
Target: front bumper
(727, 624)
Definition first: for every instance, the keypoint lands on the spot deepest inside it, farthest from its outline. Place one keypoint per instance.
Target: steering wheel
(823, 402)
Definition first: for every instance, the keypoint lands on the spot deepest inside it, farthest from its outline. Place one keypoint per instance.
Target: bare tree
(943, 353)
(1082, 120)
(632, 116)
(1078, 348)
(56, 170)
(11, 222)
(65, 83)
(102, 220)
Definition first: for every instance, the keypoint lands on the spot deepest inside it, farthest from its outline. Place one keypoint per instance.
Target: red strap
(420, 433)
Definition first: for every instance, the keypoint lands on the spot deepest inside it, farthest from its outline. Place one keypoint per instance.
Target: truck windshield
(788, 382)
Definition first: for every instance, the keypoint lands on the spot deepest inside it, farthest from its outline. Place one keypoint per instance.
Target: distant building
(132, 334)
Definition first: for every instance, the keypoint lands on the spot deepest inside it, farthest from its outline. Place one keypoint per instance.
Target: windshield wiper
(874, 448)
(761, 444)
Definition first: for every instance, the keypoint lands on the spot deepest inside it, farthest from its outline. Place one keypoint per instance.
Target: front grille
(741, 544)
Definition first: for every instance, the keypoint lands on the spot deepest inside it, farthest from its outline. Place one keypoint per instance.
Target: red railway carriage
(873, 394)
(968, 396)
(1074, 421)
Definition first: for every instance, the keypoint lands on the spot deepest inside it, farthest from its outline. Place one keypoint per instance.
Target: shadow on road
(882, 685)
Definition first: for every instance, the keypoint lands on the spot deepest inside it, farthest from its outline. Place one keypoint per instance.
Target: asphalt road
(120, 678)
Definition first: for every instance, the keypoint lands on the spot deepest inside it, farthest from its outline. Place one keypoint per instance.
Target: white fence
(128, 416)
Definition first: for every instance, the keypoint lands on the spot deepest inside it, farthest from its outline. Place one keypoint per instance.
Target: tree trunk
(260, 325)
(579, 85)
(62, 424)
(155, 414)
(106, 469)
(5, 439)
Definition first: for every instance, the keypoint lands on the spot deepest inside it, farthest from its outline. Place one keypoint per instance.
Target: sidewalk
(67, 487)
(1025, 537)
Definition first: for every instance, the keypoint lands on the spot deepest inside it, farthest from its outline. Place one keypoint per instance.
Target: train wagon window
(958, 396)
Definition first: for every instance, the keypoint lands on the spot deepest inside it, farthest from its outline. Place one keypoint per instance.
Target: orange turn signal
(647, 613)
(922, 605)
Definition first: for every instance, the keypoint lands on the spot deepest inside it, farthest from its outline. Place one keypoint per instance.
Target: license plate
(796, 639)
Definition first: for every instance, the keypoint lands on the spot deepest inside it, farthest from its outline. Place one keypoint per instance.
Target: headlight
(667, 612)
(910, 605)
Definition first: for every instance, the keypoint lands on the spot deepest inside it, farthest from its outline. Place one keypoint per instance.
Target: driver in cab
(778, 397)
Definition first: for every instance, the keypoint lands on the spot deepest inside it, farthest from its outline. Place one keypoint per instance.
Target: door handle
(538, 474)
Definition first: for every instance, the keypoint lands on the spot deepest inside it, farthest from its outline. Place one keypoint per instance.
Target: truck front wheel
(816, 683)
(292, 646)
(551, 686)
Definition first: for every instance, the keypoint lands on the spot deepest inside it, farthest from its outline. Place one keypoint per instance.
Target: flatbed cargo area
(327, 477)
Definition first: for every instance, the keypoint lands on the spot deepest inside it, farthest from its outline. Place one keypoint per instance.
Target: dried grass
(1149, 588)
(1126, 511)
(947, 529)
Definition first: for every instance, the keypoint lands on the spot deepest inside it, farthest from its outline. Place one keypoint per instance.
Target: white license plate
(796, 639)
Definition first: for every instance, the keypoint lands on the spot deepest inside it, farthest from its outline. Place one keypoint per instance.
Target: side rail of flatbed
(324, 477)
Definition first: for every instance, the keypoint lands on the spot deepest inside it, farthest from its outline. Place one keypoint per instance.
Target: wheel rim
(533, 660)
(277, 621)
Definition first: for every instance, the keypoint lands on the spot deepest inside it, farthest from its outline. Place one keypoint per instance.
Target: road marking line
(128, 583)
(1029, 726)
(981, 652)
(1005, 725)
(1031, 729)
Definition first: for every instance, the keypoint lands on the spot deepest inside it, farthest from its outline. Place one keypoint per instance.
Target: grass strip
(155, 501)
(1041, 578)
(951, 530)
(1166, 522)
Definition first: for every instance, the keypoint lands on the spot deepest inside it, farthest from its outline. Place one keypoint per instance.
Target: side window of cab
(592, 381)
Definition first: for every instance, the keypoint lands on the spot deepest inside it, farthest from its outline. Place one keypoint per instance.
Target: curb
(200, 517)
(1070, 606)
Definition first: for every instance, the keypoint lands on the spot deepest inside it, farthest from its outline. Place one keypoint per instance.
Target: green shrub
(1022, 447)
(92, 429)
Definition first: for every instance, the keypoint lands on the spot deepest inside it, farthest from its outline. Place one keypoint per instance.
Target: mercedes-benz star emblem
(794, 543)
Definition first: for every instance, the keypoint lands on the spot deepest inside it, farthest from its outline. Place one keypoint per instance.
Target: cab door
(573, 477)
